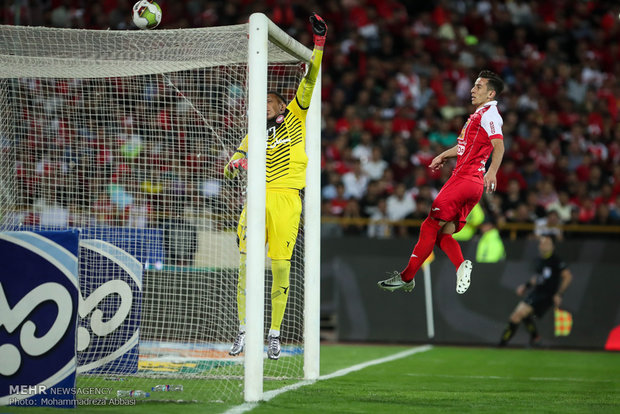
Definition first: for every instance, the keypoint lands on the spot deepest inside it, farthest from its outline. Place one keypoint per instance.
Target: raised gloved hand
(319, 28)
(234, 166)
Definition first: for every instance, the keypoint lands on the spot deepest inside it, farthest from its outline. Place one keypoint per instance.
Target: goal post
(124, 135)
(257, 143)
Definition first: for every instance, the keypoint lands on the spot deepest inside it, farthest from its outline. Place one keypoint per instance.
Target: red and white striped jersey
(474, 143)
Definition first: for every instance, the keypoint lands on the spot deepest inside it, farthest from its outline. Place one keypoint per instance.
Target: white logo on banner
(12, 318)
(98, 326)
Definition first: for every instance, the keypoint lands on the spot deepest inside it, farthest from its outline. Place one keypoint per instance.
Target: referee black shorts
(539, 301)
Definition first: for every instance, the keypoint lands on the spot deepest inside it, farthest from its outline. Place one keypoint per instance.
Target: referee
(286, 162)
(547, 287)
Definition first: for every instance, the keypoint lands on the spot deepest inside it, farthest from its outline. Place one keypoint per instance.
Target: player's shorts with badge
(455, 201)
(540, 301)
(283, 209)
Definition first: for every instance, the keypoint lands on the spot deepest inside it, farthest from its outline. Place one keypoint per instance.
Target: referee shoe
(463, 277)
(396, 282)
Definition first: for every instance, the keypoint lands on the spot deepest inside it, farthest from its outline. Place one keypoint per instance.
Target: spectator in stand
(329, 191)
(546, 195)
(531, 173)
(562, 206)
(595, 181)
(606, 195)
(587, 211)
(329, 228)
(378, 226)
(603, 216)
(531, 198)
(362, 151)
(551, 224)
(355, 181)
(443, 136)
(369, 203)
(614, 210)
(400, 206)
(352, 211)
(509, 172)
(401, 166)
(375, 165)
(339, 202)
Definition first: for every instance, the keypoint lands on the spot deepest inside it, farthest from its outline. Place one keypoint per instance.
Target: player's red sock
(422, 249)
(450, 247)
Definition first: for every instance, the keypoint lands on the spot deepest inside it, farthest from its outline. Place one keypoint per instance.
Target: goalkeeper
(286, 162)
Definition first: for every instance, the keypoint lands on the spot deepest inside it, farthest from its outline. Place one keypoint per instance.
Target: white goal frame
(262, 30)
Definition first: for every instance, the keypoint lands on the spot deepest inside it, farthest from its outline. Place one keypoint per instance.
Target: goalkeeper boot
(273, 347)
(237, 346)
(396, 282)
(463, 277)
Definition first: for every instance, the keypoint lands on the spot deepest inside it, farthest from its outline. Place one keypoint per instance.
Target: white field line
(245, 407)
(513, 378)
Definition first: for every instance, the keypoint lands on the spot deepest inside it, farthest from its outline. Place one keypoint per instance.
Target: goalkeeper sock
(241, 293)
(279, 291)
(509, 332)
(423, 248)
(531, 327)
(451, 248)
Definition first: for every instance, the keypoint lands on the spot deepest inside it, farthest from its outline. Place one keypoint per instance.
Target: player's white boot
(395, 283)
(463, 277)
(273, 347)
(237, 346)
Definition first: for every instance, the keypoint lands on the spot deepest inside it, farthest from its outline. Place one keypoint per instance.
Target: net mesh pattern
(125, 135)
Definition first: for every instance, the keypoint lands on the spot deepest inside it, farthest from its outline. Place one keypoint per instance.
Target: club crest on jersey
(280, 119)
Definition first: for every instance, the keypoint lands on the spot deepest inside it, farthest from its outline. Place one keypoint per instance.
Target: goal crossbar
(116, 53)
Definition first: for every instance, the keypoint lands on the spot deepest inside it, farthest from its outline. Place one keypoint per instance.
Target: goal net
(124, 135)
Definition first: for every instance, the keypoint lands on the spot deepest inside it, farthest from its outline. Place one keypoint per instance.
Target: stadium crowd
(395, 90)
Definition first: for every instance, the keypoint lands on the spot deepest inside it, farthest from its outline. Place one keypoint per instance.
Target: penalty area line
(245, 407)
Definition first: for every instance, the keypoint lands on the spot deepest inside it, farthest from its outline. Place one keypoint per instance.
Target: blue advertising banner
(146, 245)
(109, 310)
(38, 315)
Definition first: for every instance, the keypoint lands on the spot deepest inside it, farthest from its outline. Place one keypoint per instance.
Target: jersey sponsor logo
(462, 134)
(492, 126)
(277, 142)
(460, 149)
(280, 119)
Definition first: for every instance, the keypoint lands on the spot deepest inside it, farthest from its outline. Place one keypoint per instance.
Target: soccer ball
(146, 14)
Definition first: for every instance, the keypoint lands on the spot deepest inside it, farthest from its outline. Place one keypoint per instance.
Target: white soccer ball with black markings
(146, 14)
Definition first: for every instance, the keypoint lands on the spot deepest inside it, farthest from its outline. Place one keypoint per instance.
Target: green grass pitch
(441, 380)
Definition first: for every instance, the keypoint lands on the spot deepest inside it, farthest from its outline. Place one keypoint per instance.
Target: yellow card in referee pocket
(563, 322)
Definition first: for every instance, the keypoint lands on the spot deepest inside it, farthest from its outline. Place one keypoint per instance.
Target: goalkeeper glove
(319, 28)
(233, 167)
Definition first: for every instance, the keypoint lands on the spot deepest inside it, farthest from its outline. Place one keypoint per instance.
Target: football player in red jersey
(480, 138)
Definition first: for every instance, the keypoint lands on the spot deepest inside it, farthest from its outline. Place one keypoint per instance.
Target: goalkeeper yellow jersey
(286, 159)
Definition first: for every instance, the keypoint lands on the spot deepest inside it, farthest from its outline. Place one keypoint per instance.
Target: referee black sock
(531, 327)
(509, 332)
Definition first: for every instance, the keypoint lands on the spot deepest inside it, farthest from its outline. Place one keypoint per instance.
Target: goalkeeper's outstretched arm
(304, 92)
